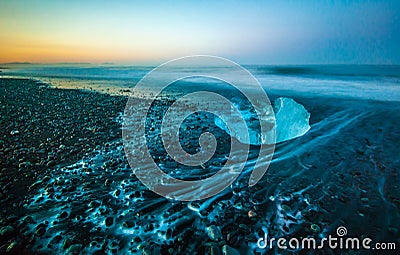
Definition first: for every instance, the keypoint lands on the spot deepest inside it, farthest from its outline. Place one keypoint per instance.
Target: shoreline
(102, 86)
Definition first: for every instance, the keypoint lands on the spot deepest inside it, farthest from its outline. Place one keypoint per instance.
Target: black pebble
(63, 215)
(109, 221)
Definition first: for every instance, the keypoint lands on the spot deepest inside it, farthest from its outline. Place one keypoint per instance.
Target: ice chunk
(292, 120)
(253, 126)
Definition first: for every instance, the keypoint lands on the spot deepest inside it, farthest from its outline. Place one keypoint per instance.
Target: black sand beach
(66, 187)
(43, 127)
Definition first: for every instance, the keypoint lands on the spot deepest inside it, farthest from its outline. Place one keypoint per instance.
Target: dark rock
(51, 163)
(108, 182)
(63, 215)
(94, 204)
(6, 231)
(40, 231)
(46, 178)
(12, 248)
(109, 221)
(214, 233)
(213, 250)
(27, 219)
(128, 224)
(74, 249)
(227, 250)
(117, 192)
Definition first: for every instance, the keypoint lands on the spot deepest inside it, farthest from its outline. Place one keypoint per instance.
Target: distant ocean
(376, 82)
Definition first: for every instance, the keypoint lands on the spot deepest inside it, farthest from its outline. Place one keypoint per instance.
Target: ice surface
(292, 120)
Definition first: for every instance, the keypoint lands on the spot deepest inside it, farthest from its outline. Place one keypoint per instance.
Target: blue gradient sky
(250, 32)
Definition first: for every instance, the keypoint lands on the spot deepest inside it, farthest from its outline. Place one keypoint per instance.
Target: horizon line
(144, 64)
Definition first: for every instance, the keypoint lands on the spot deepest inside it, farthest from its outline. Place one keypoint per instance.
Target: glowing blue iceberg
(291, 119)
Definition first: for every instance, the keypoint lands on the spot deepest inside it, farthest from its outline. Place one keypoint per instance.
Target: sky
(248, 32)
